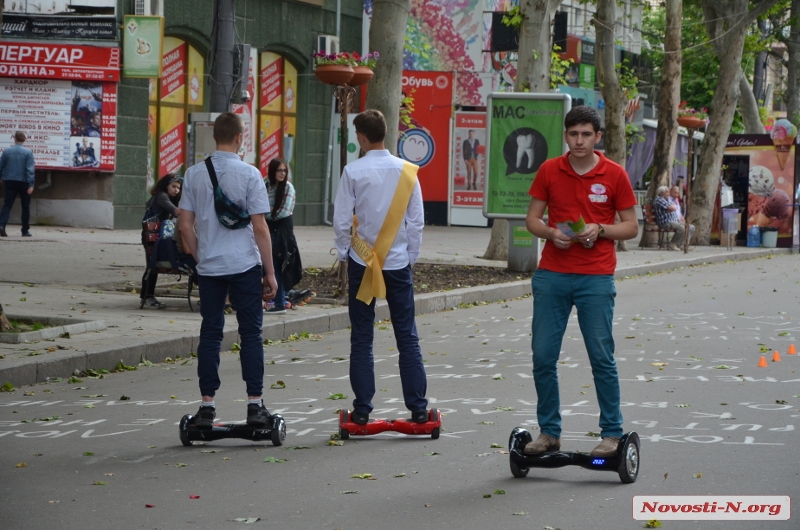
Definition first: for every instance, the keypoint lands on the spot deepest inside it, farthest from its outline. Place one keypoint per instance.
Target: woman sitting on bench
(163, 204)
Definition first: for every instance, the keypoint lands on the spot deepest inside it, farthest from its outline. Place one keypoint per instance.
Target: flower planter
(690, 122)
(361, 76)
(334, 74)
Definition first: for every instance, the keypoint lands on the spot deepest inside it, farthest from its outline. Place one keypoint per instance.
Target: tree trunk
(5, 325)
(792, 97)
(387, 36)
(748, 106)
(615, 99)
(533, 75)
(727, 25)
(668, 100)
(614, 134)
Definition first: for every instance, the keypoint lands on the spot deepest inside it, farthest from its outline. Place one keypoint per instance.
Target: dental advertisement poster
(524, 130)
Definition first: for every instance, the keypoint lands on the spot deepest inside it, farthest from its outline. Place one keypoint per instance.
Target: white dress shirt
(366, 188)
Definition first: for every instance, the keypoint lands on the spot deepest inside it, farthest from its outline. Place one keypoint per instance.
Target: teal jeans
(554, 295)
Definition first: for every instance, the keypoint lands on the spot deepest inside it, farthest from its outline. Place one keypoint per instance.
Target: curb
(29, 372)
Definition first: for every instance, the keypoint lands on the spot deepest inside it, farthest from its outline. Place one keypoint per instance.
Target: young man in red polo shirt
(578, 270)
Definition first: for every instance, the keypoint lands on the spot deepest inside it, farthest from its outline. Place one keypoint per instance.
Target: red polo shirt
(597, 196)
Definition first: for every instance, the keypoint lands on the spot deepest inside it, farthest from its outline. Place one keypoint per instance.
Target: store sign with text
(58, 27)
(43, 60)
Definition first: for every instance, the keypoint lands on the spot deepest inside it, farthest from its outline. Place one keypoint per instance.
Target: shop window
(277, 110)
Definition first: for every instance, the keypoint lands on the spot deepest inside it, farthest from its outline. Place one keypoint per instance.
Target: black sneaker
(258, 416)
(205, 418)
(26, 234)
(3, 232)
(419, 416)
(361, 418)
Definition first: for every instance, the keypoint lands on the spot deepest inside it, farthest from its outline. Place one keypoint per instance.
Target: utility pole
(223, 44)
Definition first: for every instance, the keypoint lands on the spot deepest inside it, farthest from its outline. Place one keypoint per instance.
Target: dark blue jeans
(400, 297)
(12, 189)
(554, 295)
(245, 289)
(280, 294)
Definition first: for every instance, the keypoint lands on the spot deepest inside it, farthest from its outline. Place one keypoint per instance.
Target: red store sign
(59, 61)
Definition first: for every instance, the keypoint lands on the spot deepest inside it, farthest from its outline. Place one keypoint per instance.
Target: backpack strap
(212, 173)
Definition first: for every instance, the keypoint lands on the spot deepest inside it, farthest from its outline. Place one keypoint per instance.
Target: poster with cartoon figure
(424, 137)
(524, 130)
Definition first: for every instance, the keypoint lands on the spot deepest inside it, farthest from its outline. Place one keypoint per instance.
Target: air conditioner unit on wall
(328, 44)
(149, 7)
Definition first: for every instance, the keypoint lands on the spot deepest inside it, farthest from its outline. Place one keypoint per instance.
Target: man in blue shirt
(668, 216)
(229, 262)
(17, 175)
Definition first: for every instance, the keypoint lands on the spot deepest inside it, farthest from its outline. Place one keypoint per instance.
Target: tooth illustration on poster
(524, 150)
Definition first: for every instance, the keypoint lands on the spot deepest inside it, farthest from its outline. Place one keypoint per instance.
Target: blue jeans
(245, 289)
(280, 294)
(12, 189)
(554, 294)
(400, 297)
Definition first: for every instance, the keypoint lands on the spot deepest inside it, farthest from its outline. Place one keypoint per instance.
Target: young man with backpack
(229, 258)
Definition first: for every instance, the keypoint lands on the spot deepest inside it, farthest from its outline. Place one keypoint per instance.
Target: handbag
(151, 224)
(230, 214)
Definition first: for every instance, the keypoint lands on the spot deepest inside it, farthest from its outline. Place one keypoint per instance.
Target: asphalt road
(75, 455)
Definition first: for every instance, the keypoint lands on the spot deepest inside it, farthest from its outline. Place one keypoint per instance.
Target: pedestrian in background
(578, 270)
(165, 195)
(285, 254)
(380, 198)
(229, 258)
(18, 176)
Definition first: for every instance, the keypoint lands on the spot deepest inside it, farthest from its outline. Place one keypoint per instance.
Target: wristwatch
(600, 230)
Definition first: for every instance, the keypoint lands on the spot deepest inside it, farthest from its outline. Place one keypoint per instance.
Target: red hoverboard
(430, 427)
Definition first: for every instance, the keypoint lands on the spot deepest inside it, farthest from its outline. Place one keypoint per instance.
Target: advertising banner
(469, 159)
(524, 130)
(142, 46)
(770, 181)
(171, 141)
(425, 140)
(70, 124)
(56, 27)
(173, 73)
(59, 61)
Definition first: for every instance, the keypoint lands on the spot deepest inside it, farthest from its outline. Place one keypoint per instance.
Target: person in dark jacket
(17, 174)
(285, 254)
(163, 204)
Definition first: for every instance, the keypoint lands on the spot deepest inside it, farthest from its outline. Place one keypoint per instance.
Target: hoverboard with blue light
(625, 461)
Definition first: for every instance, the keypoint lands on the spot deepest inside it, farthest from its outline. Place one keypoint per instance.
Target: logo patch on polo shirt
(598, 193)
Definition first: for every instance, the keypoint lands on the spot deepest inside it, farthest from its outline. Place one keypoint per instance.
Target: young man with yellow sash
(379, 197)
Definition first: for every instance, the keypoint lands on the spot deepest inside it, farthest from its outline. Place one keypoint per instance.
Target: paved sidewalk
(67, 275)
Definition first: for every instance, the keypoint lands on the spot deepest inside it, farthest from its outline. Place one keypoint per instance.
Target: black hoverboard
(625, 461)
(275, 430)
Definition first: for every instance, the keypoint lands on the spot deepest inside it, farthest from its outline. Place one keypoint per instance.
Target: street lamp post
(344, 79)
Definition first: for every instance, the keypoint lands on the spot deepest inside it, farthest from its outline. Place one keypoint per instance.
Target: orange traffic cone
(776, 357)
(791, 351)
(762, 363)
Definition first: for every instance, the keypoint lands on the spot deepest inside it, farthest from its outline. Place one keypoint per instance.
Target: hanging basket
(361, 76)
(690, 122)
(334, 74)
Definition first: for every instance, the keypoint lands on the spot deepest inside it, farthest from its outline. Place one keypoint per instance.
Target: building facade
(100, 140)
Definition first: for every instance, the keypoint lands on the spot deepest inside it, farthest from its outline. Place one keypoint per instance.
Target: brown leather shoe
(542, 444)
(607, 448)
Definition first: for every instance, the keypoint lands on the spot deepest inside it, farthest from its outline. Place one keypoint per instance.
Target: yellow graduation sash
(372, 284)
